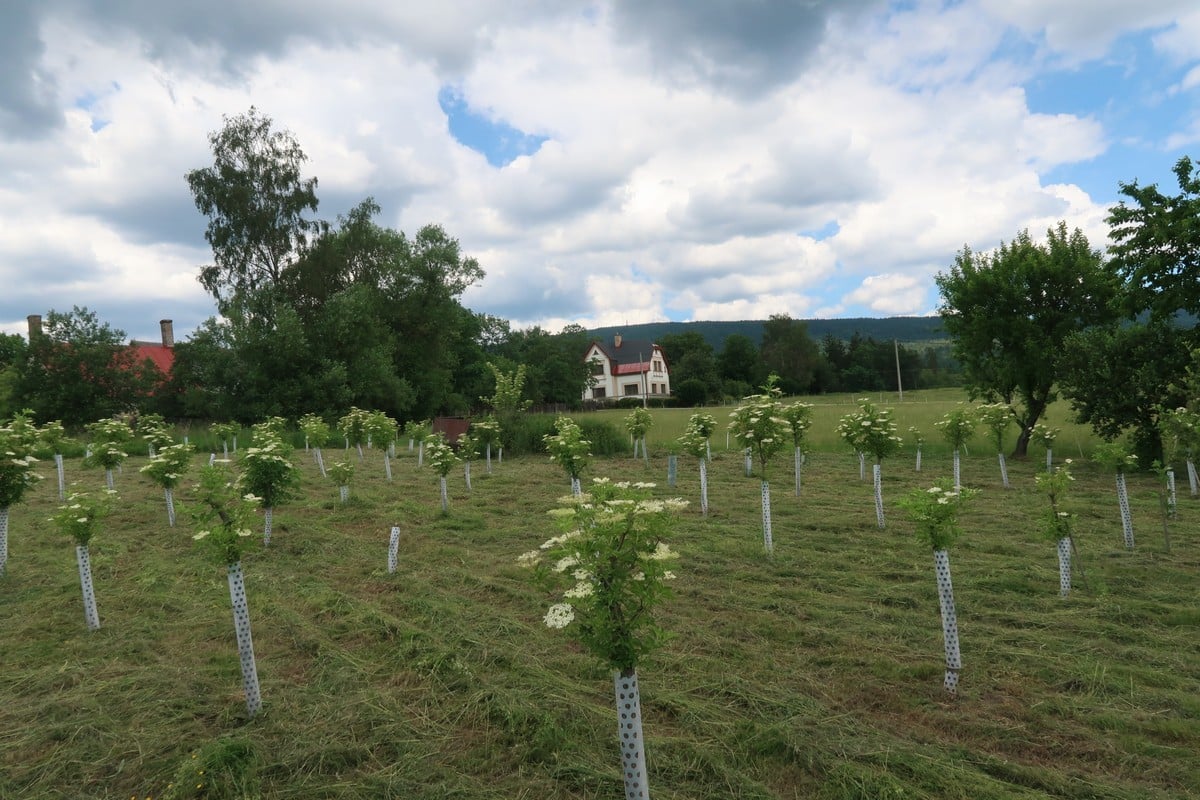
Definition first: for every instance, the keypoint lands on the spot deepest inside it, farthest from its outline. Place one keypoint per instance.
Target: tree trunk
(268, 518)
(877, 471)
(629, 734)
(1064, 566)
(3, 539)
(703, 489)
(1126, 516)
(941, 562)
(768, 542)
(90, 615)
(393, 548)
(241, 625)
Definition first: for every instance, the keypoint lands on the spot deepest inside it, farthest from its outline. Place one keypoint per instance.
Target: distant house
(161, 354)
(626, 368)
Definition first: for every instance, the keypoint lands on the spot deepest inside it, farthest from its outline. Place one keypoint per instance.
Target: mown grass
(816, 673)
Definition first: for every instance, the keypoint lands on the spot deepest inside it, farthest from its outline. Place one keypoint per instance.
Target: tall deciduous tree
(1156, 244)
(79, 369)
(1010, 311)
(789, 352)
(256, 202)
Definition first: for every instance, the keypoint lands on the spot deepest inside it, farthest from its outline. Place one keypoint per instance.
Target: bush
(605, 438)
(692, 392)
(525, 434)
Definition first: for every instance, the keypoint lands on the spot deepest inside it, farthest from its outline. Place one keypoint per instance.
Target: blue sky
(606, 161)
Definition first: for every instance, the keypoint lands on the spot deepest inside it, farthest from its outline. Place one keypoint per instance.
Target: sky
(607, 163)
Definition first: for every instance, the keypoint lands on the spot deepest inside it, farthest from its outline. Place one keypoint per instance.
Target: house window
(598, 393)
(657, 365)
(632, 389)
(597, 367)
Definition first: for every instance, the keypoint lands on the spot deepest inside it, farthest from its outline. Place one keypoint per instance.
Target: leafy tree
(256, 201)
(12, 357)
(789, 352)
(1116, 378)
(1156, 245)
(1010, 312)
(79, 369)
(739, 361)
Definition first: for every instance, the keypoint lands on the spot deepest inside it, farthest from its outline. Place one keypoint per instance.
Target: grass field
(920, 409)
(813, 674)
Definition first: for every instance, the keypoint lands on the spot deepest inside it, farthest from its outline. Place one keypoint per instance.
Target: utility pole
(899, 385)
(642, 366)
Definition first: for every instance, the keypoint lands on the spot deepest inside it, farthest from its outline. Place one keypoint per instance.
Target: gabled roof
(163, 357)
(631, 351)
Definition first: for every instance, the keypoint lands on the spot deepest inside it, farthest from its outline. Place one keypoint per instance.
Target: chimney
(168, 332)
(35, 326)
(617, 341)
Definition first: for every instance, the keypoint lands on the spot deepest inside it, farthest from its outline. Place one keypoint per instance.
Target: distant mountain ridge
(906, 330)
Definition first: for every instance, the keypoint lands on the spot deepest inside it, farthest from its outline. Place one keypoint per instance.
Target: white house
(627, 368)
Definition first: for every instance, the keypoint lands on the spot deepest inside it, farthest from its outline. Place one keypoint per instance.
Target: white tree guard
(90, 615)
(344, 493)
(1193, 484)
(241, 625)
(941, 563)
(212, 458)
(87, 451)
(1172, 500)
(108, 479)
(235, 445)
(185, 438)
(445, 497)
(170, 496)
(708, 449)
(1049, 459)
(421, 454)
(225, 449)
(862, 464)
(726, 440)
(500, 454)
(672, 470)
(957, 471)
(306, 442)
(1064, 566)
(391, 448)
(629, 734)
(387, 466)
(467, 473)
(3, 538)
(410, 445)
(62, 483)
(799, 459)
(320, 460)
(489, 458)
(1003, 470)
(150, 451)
(703, 488)
(749, 464)
(636, 444)
(393, 548)
(768, 542)
(576, 489)
(918, 459)
(645, 451)
(361, 458)
(268, 519)
(1126, 516)
(877, 477)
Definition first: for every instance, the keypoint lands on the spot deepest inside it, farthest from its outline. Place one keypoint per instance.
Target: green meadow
(813, 674)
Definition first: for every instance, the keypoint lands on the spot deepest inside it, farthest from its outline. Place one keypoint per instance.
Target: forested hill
(903, 329)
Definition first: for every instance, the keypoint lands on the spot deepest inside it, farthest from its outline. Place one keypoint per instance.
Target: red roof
(163, 357)
(628, 369)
